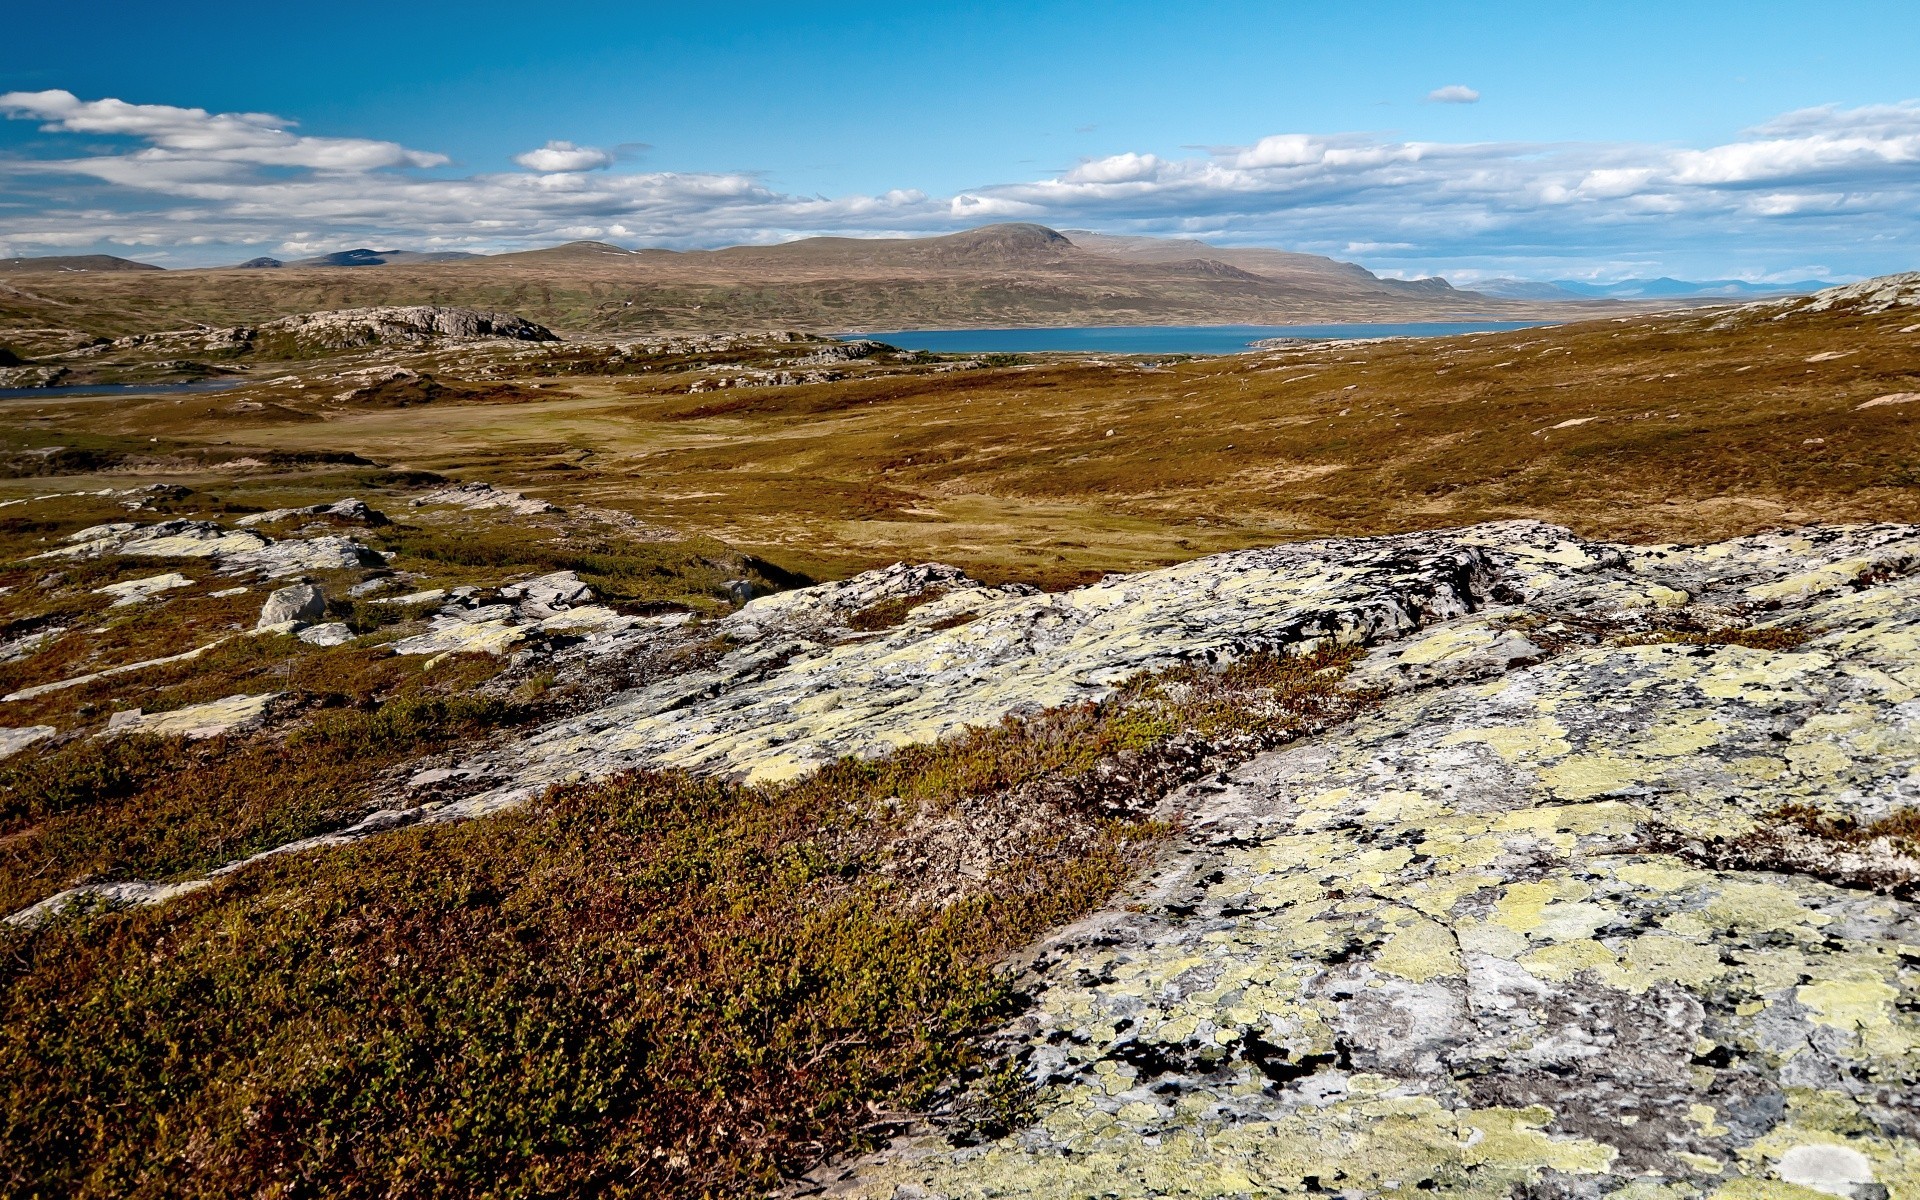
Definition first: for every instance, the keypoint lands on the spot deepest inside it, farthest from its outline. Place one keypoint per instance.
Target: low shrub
(658, 985)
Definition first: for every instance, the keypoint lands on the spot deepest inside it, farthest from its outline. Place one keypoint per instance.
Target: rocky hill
(65, 263)
(1015, 274)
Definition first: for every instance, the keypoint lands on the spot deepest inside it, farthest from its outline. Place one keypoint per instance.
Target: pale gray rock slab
(134, 591)
(231, 551)
(13, 741)
(332, 633)
(232, 714)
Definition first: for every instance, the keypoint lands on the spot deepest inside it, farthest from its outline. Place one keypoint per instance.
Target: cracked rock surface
(1433, 951)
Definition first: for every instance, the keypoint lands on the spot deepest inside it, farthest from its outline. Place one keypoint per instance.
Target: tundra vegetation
(672, 982)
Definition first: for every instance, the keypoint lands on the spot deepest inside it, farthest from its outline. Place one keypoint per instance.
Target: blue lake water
(1164, 339)
(119, 389)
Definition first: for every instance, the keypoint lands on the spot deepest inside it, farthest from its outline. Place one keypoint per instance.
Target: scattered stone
(430, 596)
(333, 633)
(300, 604)
(13, 741)
(416, 325)
(547, 595)
(230, 550)
(234, 713)
(484, 496)
(133, 591)
(223, 593)
(349, 509)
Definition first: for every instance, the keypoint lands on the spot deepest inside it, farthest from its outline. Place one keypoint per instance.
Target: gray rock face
(548, 595)
(301, 604)
(14, 740)
(349, 509)
(231, 550)
(332, 633)
(477, 496)
(351, 328)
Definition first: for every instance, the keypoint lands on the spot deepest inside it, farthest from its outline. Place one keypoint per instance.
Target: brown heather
(655, 986)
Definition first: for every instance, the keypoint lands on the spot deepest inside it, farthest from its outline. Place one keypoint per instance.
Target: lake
(1164, 339)
(119, 389)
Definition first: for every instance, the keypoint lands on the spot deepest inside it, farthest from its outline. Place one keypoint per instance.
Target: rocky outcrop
(476, 496)
(232, 551)
(349, 510)
(1515, 931)
(134, 591)
(1451, 949)
(417, 325)
(14, 740)
(472, 621)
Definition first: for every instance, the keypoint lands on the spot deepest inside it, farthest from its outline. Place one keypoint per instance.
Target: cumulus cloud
(1453, 93)
(186, 138)
(1831, 182)
(565, 156)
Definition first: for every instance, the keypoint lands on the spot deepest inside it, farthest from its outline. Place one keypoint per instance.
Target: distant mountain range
(72, 262)
(1663, 288)
(1015, 274)
(1010, 245)
(365, 258)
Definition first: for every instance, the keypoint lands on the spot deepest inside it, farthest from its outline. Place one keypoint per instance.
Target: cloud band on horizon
(1821, 182)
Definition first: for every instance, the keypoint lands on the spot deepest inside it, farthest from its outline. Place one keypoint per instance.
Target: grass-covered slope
(659, 985)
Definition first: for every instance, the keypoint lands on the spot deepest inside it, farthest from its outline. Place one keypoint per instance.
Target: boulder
(300, 604)
(333, 633)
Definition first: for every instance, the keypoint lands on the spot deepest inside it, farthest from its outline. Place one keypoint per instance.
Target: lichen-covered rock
(332, 633)
(349, 509)
(548, 595)
(1439, 952)
(215, 717)
(477, 496)
(1476, 943)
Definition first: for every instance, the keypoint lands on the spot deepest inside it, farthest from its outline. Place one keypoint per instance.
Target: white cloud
(1453, 93)
(193, 138)
(565, 156)
(1842, 184)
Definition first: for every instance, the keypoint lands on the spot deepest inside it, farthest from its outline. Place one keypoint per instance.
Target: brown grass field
(1660, 427)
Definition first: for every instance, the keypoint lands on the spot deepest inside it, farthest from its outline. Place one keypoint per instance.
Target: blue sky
(1699, 139)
